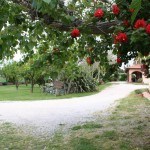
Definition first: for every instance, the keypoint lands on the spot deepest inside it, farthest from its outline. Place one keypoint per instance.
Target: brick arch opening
(135, 75)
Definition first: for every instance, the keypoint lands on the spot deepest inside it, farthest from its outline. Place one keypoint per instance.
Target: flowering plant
(115, 9)
(132, 35)
(99, 13)
(75, 33)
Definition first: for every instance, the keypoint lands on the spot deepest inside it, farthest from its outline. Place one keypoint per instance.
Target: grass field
(9, 92)
(125, 127)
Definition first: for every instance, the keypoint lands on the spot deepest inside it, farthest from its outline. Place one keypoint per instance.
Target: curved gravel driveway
(47, 115)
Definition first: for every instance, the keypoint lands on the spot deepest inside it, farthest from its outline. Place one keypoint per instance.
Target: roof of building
(135, 66)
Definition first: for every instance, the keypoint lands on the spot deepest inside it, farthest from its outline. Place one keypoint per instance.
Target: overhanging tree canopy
(25, 22)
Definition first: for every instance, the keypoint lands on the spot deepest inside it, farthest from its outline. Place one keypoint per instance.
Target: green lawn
(126, 127)
(10, 93)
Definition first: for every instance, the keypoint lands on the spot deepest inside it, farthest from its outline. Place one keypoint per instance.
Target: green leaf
(136, 5)
(47, 1)
(1, 41)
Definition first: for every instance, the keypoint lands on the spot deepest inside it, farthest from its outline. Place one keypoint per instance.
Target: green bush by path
(10, 93)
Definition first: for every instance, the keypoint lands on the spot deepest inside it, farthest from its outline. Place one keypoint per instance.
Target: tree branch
(98, 28)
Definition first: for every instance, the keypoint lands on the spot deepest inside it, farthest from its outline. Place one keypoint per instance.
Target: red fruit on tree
(140, 23)
(115, 9)
(99, 13)
(75, 33)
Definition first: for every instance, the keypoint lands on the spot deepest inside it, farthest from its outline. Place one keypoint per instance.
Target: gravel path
(48, 115)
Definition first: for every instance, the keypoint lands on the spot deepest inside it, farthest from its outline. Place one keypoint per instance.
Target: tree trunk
(69, 87)
(17, 85)
(32, 84)
(98, 76)
(26, 82)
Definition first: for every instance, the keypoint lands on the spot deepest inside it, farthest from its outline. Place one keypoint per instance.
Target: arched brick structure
(134, 69)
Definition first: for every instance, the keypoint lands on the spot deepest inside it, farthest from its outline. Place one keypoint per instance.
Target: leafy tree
(12, 72)
(31, 72)
(54, 28)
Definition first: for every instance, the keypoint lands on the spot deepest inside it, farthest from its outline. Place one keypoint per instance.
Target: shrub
(138, 91)
(122, 77)
(4, 83)
(82, 83)
(113, 77)
(140, 80)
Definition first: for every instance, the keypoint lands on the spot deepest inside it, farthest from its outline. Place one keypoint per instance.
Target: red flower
(115, 9)
(140, 23)
(131, 10)
(148, 29)
(121, 37)
(75, 33)
(99, 13)
(88, 60)
(126, 23)
(118, 60)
